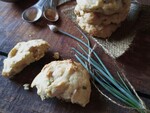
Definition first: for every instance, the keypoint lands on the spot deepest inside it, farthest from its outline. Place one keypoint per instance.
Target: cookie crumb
(56, 55)
(26, 86)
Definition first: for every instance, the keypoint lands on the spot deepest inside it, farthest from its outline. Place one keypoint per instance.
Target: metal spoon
(50, 12)
(34, 12)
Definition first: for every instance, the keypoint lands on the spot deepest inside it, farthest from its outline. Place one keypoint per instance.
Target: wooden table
(14, 99)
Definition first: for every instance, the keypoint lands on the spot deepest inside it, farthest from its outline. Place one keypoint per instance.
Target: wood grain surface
(14, 99)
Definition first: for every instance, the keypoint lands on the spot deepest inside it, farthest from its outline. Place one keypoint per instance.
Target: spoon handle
(40, 3)
(53, 3)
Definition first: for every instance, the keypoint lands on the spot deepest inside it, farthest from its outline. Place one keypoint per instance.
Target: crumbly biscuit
(96, 18)
(102, 31)
(22, 55)
(67, 80)
(106, 7)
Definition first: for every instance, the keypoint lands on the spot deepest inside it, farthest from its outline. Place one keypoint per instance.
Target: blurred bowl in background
(9, 0)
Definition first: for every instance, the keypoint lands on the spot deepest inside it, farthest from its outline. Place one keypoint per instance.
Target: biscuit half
(22, 55)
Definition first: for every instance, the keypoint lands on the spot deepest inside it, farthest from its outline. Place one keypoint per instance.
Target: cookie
(22, 55)
(99, 31)
(101, 18)
(106, 7)
(67, 80)
(96, 18)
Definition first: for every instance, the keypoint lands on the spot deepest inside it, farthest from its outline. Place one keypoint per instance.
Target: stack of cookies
(101, 18)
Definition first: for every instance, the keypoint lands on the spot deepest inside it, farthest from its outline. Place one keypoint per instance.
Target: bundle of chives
(120, 89)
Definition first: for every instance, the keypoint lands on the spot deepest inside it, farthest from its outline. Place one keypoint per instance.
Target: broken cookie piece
(22, 55)
(67, 80)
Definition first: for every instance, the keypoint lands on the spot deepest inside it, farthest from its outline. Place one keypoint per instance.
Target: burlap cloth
(120, 40)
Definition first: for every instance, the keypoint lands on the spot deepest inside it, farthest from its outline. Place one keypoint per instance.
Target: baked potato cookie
(96, 18)
(67, 80)
(100, 18)
(22, 55)
(97, 30)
